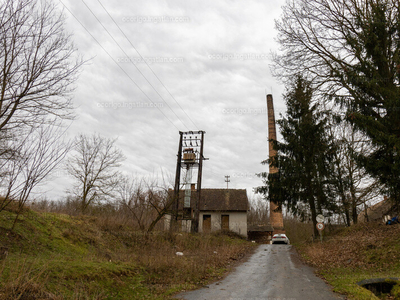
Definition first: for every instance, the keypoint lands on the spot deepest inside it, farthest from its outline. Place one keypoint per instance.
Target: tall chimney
(275, 211)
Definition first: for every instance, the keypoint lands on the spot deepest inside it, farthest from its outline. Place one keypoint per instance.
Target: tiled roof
(219, 199)
(223, 199)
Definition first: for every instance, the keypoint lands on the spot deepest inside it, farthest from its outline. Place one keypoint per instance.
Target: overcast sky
(214, 59)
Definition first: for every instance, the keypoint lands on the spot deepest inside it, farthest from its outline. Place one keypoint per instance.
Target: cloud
(211, 56)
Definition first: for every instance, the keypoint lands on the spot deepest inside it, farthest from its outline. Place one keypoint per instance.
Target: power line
(147, 64)
(115, 41)
(118, 64)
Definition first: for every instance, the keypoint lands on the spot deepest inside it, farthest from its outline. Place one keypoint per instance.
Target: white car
(280, 238)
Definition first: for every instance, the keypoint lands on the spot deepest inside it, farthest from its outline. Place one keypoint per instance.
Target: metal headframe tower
(190, 157)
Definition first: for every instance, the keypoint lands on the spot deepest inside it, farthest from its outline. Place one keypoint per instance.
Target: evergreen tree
(302, 182)
(375, 103)
(351, 52)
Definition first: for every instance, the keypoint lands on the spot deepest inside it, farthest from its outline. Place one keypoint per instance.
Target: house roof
(219, 199)
(378, 210)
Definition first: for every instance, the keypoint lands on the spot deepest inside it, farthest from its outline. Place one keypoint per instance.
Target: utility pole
(190, 156)
(227, 180)
(174, 217)
(196, 212)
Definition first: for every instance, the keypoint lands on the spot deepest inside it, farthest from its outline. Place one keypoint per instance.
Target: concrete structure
(260, 233)
(275, 211)
(379, 212)
(220, 209)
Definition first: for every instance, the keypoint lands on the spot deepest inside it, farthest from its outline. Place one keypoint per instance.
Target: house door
(206, 223)
(225, 222)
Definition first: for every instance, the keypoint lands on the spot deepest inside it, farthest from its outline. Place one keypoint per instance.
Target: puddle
(379, 286)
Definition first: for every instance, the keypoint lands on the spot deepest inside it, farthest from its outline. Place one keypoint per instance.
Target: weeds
(56, 256)
(23, 280)
(362, 251)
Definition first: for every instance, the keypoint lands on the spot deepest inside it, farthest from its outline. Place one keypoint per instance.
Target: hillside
(55, 256)
(359, 252)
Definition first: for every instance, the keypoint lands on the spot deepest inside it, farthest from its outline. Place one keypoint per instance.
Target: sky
(209, 70)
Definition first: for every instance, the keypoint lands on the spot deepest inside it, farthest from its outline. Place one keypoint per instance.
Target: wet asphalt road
(273, 272)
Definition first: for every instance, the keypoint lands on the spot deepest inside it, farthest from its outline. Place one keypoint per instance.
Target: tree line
(39, 66)
(340, 63)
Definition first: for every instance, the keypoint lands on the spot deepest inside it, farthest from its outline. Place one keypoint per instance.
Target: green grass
(354, 254)
(55, 256)
(344, 281)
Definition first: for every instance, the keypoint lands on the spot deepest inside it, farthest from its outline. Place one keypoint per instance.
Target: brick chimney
(275, 212)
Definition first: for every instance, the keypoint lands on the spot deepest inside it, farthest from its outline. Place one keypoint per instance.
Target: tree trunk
(313, 216)
(353, 203)
(346, 210)
(161, 214)
(156, 220)
(354, 212)
(366, 212)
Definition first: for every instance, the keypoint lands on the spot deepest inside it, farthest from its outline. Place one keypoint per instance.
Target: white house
(220, 209)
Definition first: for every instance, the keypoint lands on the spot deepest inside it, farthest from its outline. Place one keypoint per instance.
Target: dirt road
(273, 272)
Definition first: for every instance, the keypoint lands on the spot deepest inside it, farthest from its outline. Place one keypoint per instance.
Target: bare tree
(38, 68)
(161, 200)
(352, 183)
(325, 41)
(146, 201)
(30, 162)
(258, 212)
(350, 50)
(132, 197)
(37, 65)
(95, 168)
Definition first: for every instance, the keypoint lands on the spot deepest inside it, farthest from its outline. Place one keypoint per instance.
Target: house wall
(237, 221)
(185, 225)
(167, 221)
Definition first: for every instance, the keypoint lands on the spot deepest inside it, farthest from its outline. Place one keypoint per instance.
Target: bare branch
(94, 166)
(37, 65)
(31, 161)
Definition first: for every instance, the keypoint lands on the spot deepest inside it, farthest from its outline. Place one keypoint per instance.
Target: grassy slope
(53, 256)
(356, 253)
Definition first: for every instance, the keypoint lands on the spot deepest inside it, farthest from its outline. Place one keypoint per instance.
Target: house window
(225, 222)
(206, 223)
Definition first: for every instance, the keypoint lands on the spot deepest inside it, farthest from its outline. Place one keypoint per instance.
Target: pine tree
(375, 104)
(302, 182)
(350, 50)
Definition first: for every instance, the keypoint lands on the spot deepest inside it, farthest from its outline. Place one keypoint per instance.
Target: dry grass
(298, 231)
(361, 246)
(359, 252)
(24, 280)
(55, 256)
(203, 257)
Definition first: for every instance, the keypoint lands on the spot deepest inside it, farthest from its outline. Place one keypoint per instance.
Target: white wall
(186, 224)
(237, 221)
